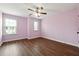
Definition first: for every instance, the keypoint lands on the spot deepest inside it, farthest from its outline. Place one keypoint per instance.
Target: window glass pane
(35, 25)
(10, 26)
(10, 22)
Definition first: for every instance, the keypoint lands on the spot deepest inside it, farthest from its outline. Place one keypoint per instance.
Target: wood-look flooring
(37, 47)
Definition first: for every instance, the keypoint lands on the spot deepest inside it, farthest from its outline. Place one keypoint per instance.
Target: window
(10, 26)
(35, 25)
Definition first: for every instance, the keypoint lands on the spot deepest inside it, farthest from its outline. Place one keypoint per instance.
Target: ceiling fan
(38, 11)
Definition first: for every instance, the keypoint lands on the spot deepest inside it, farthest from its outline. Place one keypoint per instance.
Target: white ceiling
(20, 9)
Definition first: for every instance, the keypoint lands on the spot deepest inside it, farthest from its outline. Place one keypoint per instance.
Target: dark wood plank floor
(37, 47)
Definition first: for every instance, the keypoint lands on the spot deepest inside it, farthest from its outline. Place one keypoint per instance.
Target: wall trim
(14, 39)
(19, 39)
(76, 45)
(33, 37)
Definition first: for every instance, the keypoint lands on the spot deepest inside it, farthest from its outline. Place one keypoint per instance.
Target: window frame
(10, 26)
(37, 26)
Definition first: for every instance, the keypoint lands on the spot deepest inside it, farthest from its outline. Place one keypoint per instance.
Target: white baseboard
(14, 39)
(20, 39)
(33, 37)
(77, 45)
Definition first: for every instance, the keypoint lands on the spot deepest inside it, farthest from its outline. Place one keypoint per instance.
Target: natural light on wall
(35, 25)
(10, 26)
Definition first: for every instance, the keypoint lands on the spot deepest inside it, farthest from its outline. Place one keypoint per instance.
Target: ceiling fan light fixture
(37, 14)
(38, 11)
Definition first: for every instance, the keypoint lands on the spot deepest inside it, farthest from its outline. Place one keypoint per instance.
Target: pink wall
(61, 26)
(0, 26)
(24, 28)
(30, 29)
(21, 28)
(77, 13)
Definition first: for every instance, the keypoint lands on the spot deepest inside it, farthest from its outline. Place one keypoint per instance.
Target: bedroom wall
(21, 28)
(0, 27)
(30, 28)
(78, 22)
(77, 12)
(24, 28)
(61, 26)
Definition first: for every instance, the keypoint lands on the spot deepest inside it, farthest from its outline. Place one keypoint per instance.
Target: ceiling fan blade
(30, 9)
(43, 13)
